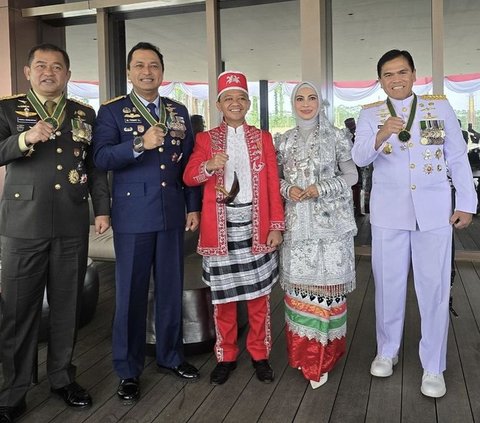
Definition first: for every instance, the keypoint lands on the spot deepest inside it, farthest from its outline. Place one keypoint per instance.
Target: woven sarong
(240, 275)
(316, 332)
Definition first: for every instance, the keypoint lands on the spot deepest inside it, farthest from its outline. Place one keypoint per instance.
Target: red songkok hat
(231, 80)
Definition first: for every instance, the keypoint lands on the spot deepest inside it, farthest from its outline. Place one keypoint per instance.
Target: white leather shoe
(323, 380)
(433, 385)
(383, 366)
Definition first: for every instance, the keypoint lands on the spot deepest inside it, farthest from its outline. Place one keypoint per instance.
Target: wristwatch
(138, 145)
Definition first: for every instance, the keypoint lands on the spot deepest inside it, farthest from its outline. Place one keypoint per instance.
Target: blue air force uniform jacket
(148, 191)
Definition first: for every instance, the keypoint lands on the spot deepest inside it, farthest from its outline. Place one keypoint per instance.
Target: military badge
(387, 149)
(126, 110)
(438, 153)
(81, 131)
(128, 129)
(174, 157)
(427, 154)
(80, 114)
(428, 168)
(129, 116)
(432, 132)
(26, 113)
(439, 168)
(83, 178)
(141, 129)
(73, 177)
(76, 152)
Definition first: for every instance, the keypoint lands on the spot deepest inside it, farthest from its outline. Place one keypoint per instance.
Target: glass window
(262, 41)
(185, 57)
(462, 62)
(361, 35)
(81, 46)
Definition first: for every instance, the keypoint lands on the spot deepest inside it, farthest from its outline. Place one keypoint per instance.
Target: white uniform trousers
(429, 253)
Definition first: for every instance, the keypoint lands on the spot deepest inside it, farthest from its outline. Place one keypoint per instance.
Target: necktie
(50, 107)
(151, 107)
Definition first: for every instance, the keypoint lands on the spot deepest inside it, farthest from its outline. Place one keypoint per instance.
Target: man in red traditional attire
(240, 228)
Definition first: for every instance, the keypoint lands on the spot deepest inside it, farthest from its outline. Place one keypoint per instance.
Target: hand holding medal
(42, 131)
(404, 133)
(50, 118)
(154, 137)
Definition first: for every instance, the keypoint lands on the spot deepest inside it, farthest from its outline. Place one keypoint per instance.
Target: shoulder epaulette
(81, 102)
(8, 97)
(377, 103)
(112, 100)
(433, 97)
(174, 101)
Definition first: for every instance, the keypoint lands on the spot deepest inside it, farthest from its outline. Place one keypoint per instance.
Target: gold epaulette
(8, 97)
(81, 103)
(113, 99)
(433, 97)
(377, 103)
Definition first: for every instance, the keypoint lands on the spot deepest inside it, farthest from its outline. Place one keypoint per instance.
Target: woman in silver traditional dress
(317, 267)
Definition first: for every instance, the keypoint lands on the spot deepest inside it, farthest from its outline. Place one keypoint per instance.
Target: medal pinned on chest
(404, 135)
(53, 118)
(162, 119)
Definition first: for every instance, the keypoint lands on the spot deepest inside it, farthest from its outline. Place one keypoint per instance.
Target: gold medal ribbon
(147, 115)
(54, 119)
(404, 134)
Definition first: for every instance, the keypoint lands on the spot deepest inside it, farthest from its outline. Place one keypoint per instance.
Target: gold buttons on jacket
(160, 149)
(162, 166)
(412, 165)
(59, 167)
(59, 150)
(413, 187)
(128, 194)
(17, 195)
(164, 184)
(57, 186)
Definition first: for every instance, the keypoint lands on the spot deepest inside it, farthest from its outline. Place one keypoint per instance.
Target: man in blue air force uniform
(413, 143)
(146, 140)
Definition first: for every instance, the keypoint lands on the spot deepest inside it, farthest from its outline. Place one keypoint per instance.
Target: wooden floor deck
(351, 394)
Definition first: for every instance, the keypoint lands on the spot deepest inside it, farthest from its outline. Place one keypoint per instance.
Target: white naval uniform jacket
(409, 183)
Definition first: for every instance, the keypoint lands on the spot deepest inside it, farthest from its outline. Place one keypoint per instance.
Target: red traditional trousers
(259, 335)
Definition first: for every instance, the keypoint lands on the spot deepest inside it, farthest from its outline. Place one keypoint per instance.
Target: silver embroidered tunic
(317, 256)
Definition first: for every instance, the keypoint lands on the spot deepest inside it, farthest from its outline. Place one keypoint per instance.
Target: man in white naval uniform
(413, 142)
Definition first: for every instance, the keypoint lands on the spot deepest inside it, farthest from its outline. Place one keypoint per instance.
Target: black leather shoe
(263, 370)
(74, 395)
(221, 372)
(9, 414)
(184, 371)
(129, 390)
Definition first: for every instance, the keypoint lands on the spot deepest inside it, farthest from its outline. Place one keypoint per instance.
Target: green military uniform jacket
(46, 188)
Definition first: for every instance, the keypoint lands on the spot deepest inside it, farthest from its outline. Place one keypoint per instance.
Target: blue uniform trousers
(138, 256)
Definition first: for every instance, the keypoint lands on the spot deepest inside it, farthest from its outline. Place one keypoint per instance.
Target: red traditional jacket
(267, 204)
